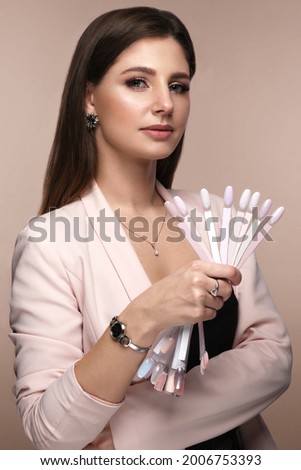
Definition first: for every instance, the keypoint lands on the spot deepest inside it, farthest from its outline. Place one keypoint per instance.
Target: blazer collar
(110, 233)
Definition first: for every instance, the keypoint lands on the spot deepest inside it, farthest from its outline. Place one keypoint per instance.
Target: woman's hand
(182, 297)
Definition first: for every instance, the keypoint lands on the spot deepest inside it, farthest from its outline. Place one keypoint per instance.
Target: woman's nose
(163, 103)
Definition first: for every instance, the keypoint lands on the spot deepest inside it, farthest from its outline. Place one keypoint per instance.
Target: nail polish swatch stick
(224, 234)
(210, 228)
(263, 210)
(245, 223)
(260, 235)
(237, 222)
(199, 246)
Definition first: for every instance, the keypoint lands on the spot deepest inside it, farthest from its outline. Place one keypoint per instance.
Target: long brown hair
(73, 158)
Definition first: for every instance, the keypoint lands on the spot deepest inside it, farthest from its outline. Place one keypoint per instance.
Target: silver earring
(91, 121)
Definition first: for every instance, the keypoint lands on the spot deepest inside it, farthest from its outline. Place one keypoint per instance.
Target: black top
(219, 335)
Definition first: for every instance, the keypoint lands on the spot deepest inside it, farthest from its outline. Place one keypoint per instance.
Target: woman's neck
(131, 188)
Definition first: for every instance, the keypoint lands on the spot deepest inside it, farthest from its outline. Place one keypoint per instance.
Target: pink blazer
(69, 280)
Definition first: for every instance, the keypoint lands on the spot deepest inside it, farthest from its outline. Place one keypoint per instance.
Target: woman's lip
(158, 131)
(158, 127)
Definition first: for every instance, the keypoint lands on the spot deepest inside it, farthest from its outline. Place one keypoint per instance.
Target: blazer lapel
(110, 233)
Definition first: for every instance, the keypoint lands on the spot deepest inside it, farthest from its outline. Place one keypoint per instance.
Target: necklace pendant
(153, 245)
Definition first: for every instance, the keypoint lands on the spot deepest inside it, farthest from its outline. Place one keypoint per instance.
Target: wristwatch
(117, 332)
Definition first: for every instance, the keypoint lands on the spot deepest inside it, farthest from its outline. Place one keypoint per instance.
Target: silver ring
(214, 291)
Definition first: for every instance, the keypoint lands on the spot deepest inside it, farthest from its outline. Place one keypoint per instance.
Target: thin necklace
(144, 237)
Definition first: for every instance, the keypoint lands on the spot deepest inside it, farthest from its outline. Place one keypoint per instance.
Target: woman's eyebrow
(146, 70)
(150, 71)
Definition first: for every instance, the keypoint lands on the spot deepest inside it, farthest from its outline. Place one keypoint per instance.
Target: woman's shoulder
(51, 231)
(52, 236)
(53, 223)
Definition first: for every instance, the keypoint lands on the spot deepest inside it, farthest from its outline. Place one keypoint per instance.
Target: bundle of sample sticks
(238, 236)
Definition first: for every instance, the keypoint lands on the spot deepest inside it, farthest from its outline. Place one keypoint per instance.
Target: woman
(87, 273)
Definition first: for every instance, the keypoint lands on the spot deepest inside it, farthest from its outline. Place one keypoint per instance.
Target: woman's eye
(139, 83)
(179, 87)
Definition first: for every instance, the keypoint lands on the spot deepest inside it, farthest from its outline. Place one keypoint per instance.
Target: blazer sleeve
(237, 385)
(47, 332)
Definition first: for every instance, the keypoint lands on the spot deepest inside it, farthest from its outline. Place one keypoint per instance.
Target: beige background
(244, 130)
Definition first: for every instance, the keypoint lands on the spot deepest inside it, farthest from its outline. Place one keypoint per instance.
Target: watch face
(116, 330)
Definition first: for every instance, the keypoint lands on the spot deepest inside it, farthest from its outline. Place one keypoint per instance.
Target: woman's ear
(89, 99)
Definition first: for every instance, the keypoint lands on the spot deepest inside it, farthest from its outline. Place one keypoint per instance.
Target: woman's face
(142, 101)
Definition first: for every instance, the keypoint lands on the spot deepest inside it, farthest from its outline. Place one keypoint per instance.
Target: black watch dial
(117, 330)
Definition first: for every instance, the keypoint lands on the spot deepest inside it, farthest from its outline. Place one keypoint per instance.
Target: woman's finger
(218, 271)
(220, 288)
